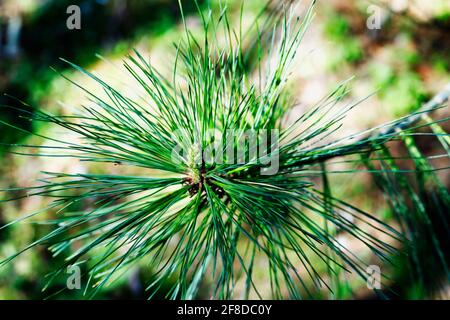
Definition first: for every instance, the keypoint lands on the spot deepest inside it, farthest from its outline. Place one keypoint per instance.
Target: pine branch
(432, 105)
(205, 215)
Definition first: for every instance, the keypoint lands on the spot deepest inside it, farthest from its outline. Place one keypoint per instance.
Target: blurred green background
(405, 63)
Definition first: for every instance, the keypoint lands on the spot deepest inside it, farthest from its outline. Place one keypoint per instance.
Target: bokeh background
(404, 63)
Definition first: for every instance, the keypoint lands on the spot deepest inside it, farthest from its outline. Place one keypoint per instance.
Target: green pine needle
(199, 219)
